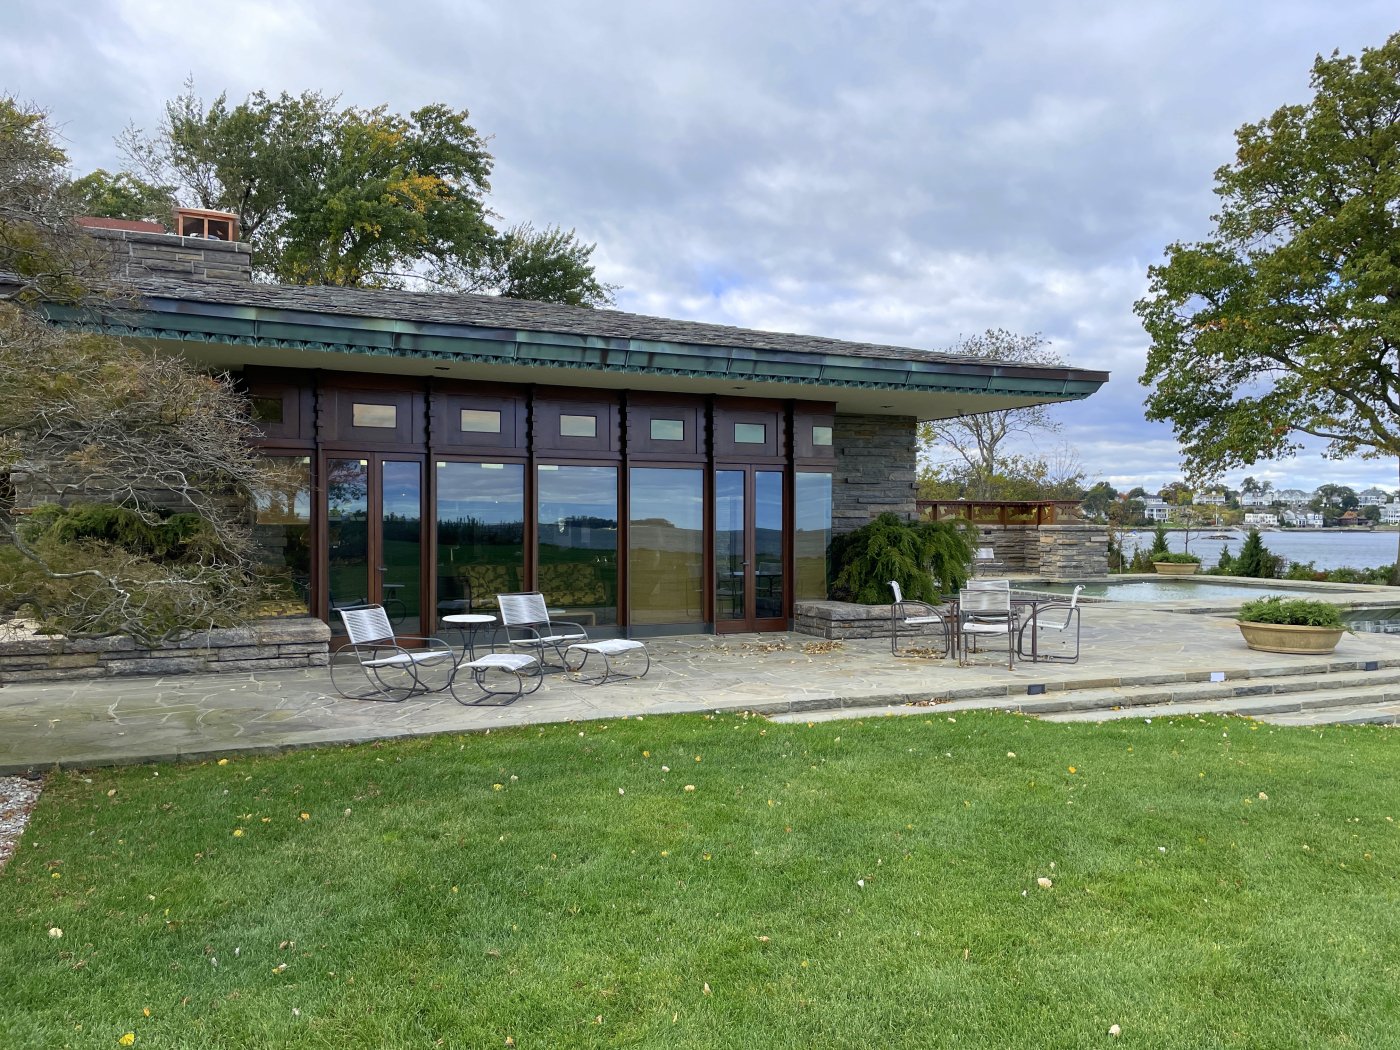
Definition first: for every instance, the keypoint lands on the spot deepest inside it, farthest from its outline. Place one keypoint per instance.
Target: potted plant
(1275, 624)
(1176, 564)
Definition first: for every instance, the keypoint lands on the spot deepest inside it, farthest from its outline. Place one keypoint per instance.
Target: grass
(1215, 883)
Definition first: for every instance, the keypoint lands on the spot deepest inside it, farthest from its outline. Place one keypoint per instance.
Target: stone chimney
(148, 249)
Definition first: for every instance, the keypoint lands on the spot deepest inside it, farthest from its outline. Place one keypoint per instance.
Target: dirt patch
(18, 797)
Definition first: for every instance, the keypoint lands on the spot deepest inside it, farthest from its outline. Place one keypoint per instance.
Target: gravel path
(18, 797)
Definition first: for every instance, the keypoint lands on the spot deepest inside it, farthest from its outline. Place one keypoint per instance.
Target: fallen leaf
(1114, 1030)
(1044, 883)
(706, 988)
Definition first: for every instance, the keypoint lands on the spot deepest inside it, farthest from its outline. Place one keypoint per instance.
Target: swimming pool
(1165, 590)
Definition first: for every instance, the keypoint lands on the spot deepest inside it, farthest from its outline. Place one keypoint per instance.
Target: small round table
(467, 626)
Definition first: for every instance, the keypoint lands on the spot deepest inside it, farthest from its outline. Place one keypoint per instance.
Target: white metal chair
(1061, 615)
(394, 672)
(925, 614)
(984, 612)
(527, 624)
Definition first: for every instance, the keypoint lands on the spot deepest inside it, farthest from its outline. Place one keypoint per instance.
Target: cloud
(908, 172)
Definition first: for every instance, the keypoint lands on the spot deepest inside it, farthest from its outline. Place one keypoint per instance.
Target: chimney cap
(203, 222)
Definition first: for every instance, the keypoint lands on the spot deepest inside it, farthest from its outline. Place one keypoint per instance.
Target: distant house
(1155, 508)
(1373, 497)
(1260, 518)
(1390, 513)
(1292, 497)
(1351, 518)
(1258, 499)
(1209, 499)
(1307, 519)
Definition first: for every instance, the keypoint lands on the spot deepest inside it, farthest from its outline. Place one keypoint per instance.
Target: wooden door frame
(751, 622)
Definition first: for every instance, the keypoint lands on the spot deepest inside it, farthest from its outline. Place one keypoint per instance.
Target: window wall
(282, 538)
(666, 537)
(577, 523)
(480, 534)
(812, 536)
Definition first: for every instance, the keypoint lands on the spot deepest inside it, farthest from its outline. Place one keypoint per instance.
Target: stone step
(1265, 707)
(1387, 714)
(1263, 693)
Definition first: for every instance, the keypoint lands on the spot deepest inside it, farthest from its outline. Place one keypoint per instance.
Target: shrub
(1255, 559)
(1178, 559)
(1226, 563)
(1299, 612)
(1159, 542)
(1142, 561)
(927, 559)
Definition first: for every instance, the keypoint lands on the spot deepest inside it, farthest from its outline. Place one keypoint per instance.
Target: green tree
(1099, 500)
(973, 447)
(123, 196)
(101, 441)
(1285, 325)
(358, 197)
(1255, 559)
(1159, 541)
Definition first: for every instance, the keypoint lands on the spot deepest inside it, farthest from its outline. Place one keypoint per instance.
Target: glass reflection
(347, 530)
(480, 534)
(401, 540)
(666, 533)
(730, 552)
(768, 544)
(282, 537)
(813, 536)
(577, 525)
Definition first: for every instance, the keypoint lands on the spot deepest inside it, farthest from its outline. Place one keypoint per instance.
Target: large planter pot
(1289, 638)
(1176, 568)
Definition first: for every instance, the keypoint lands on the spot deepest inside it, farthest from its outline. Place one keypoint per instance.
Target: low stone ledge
(842, 620)
(267, 644)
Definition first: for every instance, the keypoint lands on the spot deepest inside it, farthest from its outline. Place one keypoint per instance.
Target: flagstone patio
(137, 719)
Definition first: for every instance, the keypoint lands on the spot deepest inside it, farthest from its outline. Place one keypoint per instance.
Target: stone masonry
(264, 645)
(138, 254)
(875, 470)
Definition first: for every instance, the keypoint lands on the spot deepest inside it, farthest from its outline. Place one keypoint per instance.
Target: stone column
(875, 469)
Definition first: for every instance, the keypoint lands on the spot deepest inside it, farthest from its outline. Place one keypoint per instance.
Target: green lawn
(1215, 883)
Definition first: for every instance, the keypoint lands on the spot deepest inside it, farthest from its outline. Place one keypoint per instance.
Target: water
(1171, 590)
(1327, 549)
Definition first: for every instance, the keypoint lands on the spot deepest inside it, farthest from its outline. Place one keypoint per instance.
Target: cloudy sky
(904, 172)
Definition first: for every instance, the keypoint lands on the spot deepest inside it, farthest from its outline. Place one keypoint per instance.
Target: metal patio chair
(527, 623)
(394, 672)
(1062, 616)
(924, 614)
(986, 613)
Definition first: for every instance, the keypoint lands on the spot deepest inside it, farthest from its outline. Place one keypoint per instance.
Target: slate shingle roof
(489, 311)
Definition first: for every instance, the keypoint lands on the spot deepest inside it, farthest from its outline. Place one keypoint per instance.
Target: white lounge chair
(527, 624)
(1052, 616)
(393, 671)
(924, 615)
(986, 612)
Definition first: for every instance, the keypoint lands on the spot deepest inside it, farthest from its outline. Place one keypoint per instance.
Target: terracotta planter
(1176, 568)
(1289, 638)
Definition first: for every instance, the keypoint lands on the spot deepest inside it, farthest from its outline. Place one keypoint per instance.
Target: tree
(1250, 487)
(124, 476)
(1099, 500)
(1285, 325)
(977, 443)
(123, 196)
(1255, 559)
(1178, 494)
(358, 197)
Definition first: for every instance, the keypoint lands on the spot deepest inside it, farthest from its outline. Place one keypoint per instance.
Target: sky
(901, 172)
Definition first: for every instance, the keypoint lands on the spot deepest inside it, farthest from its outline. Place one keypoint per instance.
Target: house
(1390, 513)
(1292, 497)
(1257, 499)
(1351, 518)
(1372, 497)
(1154, 508)
(646, 474)
(1209, 499)
(1308, 519)
(1260, 518)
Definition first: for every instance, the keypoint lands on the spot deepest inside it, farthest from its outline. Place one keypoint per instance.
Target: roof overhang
(225, 335)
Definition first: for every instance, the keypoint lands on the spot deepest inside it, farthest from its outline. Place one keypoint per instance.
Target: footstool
(607, 649)
(516, 664)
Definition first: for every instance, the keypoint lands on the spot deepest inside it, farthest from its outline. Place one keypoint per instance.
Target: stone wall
(849, 620)
(261, 646)
(1055, 551)
(138, 254)
(875, 469)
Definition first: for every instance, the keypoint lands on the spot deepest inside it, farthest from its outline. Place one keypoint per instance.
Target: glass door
(374, 537)
(750, 578)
